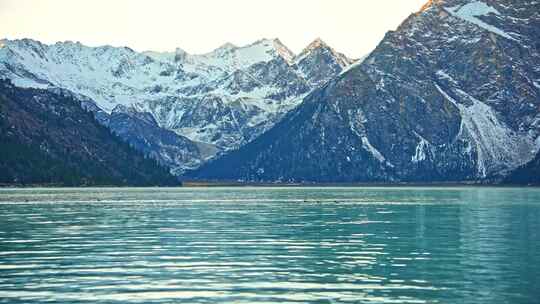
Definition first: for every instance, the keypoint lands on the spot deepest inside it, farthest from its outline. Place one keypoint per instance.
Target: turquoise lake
(270, 245)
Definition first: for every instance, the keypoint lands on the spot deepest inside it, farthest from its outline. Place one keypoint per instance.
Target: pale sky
(353, 27)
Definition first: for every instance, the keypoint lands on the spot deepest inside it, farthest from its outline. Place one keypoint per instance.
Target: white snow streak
(498, 148)
(367, 145)
(470, 11)
(420, 153)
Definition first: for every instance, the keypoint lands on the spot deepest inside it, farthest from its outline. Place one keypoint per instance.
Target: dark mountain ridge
(47, 138)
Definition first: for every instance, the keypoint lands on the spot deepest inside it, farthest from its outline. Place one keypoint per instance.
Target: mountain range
(453, 94)
(210, 103)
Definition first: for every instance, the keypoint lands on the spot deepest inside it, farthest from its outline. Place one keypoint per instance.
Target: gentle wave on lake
(270, 245)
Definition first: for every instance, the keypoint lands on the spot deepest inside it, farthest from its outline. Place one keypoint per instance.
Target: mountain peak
(318, 61)
(24, 42)
(317, 43)
(273, 46)
(283, 50)
(226, 47)
(429, 5)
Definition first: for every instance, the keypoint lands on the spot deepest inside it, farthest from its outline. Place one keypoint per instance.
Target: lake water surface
(270, 245)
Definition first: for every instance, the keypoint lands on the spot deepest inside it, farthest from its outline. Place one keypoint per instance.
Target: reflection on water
(262, 245)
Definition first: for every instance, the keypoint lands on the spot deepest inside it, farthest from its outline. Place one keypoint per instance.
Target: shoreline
(200, 184)
(353, 185)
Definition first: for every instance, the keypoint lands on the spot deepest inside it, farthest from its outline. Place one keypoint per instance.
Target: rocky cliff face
(222, 99)
(453, 94)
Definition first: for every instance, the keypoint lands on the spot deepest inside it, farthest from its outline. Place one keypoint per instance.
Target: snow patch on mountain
(470, 13)
(367, 145)
(231, 58)
(420, 153)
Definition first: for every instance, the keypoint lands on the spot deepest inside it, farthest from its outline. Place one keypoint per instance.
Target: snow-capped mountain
(225, 98)
(453, 94)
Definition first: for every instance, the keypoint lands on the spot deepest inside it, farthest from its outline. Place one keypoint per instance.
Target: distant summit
(318, 62)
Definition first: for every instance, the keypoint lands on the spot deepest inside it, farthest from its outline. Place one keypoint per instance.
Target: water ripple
(270, 245)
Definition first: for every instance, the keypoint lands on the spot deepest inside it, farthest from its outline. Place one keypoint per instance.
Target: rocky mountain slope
(452, 95)
(48, 138)
(219, 101)
(142, 132)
